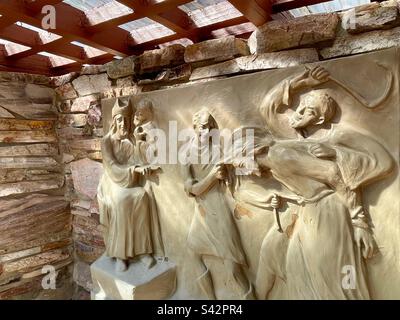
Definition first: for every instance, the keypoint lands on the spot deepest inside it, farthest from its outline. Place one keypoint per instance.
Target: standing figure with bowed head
(213, 234)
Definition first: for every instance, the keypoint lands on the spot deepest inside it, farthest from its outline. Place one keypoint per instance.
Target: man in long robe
(213, 232)
(127, 211)
(326, 168)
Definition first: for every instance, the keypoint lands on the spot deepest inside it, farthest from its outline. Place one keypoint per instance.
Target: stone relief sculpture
(324, 166)
(315, 165)
(127, 210)
(213, 232)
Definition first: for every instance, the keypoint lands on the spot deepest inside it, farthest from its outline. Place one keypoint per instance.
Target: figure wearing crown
(127, 210)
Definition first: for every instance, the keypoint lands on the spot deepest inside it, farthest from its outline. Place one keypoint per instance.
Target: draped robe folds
(321, 248)
(128, 211)
(213, 231)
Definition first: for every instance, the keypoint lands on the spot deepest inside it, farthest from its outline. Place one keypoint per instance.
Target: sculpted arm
(280, 97)
(125, 175)
(197, 188)
(360, 160)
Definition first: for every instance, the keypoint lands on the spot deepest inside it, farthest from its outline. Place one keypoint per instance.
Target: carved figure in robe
(213, 232)
(325, 167)
(126, 211)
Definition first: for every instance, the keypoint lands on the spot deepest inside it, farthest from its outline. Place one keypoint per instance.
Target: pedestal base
(136, 283)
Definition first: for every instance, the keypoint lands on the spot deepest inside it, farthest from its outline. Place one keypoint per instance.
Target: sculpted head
(144, 112)
(315, 108)
(121, 115)
(203, 122)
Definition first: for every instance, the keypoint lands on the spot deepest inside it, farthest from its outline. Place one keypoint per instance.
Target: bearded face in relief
(121, 119)
(122, 126)
(316, 108)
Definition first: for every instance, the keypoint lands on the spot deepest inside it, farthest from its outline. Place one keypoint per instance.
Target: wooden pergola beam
(61, 47)
(70, 24)
(256, 11)
(60, 70)
(167, 14)
(34, 64)
(30, 38)
(104, 58)
(285, 5)
(73, 25)
(243, 31)
(41, 65)
(58, 47)
(21, 35)
(37, 5)
(145, 9)
(6, 21)
(203, 33)
(175, 19)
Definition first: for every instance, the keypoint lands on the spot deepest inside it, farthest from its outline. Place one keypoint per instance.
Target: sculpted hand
(275, 201)
(219, 171)
(144, 170)
(249, 166)
(239, 163)
(309, 78)
(140, 136)
(365, 241)
(320, 150)
(316, 76)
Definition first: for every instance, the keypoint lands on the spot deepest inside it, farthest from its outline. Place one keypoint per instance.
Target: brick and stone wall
(35, 219)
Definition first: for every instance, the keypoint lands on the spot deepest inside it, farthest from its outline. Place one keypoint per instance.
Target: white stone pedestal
(136, 283)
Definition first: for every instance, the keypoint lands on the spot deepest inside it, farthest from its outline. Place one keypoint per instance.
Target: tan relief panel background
(233, 102)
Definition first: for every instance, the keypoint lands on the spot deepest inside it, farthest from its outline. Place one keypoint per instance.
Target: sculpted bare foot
(121, 265)
(147, 260)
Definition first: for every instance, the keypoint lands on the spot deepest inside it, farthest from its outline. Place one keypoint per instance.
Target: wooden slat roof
(98, 31)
